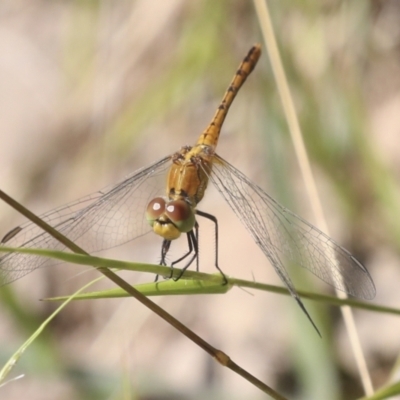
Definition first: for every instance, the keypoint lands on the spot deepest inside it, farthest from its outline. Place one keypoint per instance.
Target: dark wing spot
(11, 234)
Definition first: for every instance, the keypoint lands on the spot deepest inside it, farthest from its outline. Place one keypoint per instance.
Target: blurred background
(92, 90)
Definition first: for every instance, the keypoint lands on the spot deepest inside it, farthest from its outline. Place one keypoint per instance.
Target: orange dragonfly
(138, 204)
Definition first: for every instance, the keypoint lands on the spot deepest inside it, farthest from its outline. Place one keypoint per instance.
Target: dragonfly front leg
(192, 238)
(166, 244)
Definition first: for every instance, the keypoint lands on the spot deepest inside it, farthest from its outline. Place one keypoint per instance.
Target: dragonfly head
(170, 219)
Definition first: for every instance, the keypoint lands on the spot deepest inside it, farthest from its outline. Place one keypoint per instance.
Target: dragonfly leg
(192, 238)
(197, 237)
(193, 244)
(214, 219)
(166, 244)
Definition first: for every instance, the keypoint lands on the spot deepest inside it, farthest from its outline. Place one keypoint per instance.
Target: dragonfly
(163, 198)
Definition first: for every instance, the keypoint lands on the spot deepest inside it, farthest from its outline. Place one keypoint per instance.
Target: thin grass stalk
(301, 153)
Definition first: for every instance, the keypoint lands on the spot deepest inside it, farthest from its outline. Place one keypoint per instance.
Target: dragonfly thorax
(188, 174)
(170, 218)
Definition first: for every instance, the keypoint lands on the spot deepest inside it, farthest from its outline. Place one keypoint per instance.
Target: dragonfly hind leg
(215, 221)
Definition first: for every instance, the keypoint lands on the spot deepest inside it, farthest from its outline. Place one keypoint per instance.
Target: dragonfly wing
(284, 237)
(105, 219)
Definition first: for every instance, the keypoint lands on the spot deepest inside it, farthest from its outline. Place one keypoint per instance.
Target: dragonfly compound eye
(181, 214)
(155, 209)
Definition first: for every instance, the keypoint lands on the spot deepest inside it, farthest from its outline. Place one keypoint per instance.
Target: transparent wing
(286, 238)
(96, 222)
